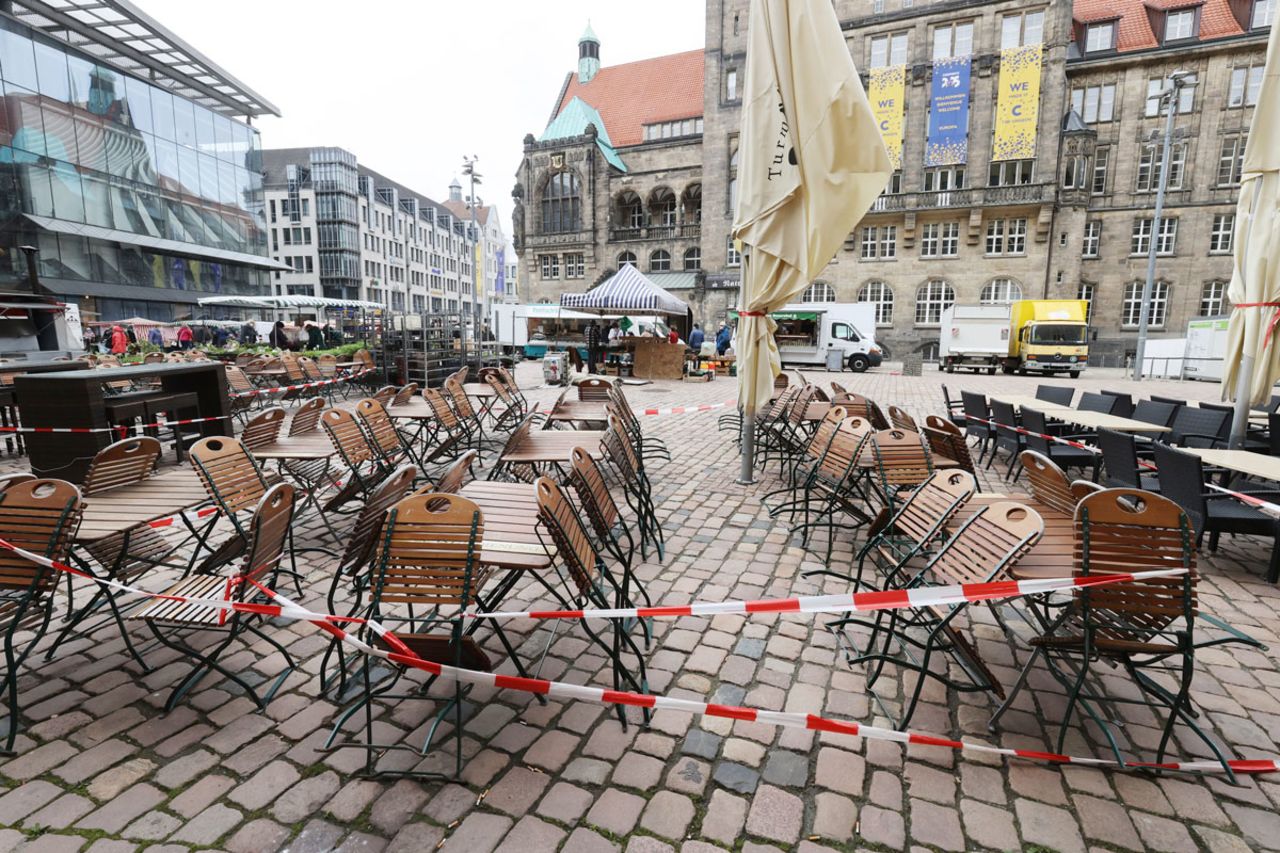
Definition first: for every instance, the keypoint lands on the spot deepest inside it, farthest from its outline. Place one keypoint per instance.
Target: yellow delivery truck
(1043, 336)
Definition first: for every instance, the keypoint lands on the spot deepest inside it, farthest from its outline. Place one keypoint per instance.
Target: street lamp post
(469, 169)
(1169, 100)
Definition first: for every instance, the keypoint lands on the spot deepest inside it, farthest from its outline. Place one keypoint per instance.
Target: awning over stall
(626, 292)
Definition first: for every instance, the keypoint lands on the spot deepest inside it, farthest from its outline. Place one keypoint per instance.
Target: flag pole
(1244, 397)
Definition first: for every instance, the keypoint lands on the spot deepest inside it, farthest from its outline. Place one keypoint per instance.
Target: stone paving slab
(100, 767)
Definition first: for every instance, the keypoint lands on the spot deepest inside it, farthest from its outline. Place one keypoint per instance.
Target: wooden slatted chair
(901, 463)
(427, 566)
(647, 446)
(468, 419)
(235, 483)
(450, 437)
(947, 441)
(804, 466)
(832, 489)
(312, 372)
(39, 516)
(242, 400)
(982, 551)
(513, 408)
(594, 390)
(153, 358)
(174, 622)
(390, 445)
(405, 394)
(637, 489)
(901, 420)
(263, 428)
(306, 418)
(360, 458)
(1139, 626)
(593, 585)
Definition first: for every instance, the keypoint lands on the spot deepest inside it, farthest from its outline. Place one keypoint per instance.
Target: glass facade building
(140, 201)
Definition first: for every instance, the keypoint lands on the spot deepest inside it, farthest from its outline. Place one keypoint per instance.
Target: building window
(1008, 173)
(1245, 85)
(888, 50)
(1092, 238)
(574, 266)
(1100, 37)
(1231, 160)
(1221, 238)
(673, 129)
(944, 178)
(932, 298)
(888, 242)
(1213, 298)
(1264, 12)
(561, 204)
(881, 295)
(819, 291)
(660, 261)
(1095, 103)
(549, 266)
(662, 208)
(731, 84)
(1021, 29)
(630, 210)
(733, 258)
(1149, 160)
(1085, 291)
(1101, 159)
(870, 243)
(1075, 172)
(1140, 244)
(952, 40)
(1131, 310)
(1179, 25)
(1155, 85)
(1000, 291)
(733, 176)
(693, 259)
(1007, 236)
(894, 187)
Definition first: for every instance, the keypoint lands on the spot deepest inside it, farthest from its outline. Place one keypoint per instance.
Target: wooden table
(552, 446)
(266, 371)
(123, 508)
(579, 410)
(416, 410)
(77, 398)
(1243, 461)
(1091, 420)
(510, 512)
(315, 445)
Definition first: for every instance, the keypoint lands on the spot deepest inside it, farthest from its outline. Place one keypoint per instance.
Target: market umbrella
(1252, 357)
(813, 163)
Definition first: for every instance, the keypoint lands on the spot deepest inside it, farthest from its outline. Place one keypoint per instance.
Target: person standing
(184, 337)
(723, 339)
(248, 333)
(593, 346)
(119, 341)
(696, 338)
(315, 339)
(673, 337)
(278, 338)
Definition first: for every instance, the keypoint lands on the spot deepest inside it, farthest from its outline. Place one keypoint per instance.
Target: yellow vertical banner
(887, 93)
(477, 271)
(1018, 104)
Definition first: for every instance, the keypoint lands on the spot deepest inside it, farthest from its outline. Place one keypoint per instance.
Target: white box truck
(808, 331)
(973, 337)
(1206, 350)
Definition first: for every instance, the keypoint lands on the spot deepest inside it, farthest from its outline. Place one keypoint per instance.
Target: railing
(964, 197)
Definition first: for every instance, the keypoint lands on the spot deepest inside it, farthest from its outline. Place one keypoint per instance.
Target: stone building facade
(1064, 223)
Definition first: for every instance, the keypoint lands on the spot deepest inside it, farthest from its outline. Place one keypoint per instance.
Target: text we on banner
(1018, 104)
(948, 140)
(887, 93)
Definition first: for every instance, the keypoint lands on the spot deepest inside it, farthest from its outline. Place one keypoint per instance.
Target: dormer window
(1179, 25)
(1264, 12)
(1100, 37)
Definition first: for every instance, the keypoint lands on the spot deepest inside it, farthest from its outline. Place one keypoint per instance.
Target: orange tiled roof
(462, 211)
(1134, 31)
(630, 96)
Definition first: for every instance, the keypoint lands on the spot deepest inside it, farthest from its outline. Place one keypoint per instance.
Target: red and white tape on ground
(404, 656)
(864, 602)
(687, 410)
(190, 515)
(317, 384)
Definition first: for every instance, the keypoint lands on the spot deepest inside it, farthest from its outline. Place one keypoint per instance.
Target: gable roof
(634, 94)
(1134, 30)
(462, 210)
(573, 120)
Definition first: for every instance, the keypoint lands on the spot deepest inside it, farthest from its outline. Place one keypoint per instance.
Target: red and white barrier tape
(671, 410)
(404, 656)
(1023, 431)
(285, 388)
(120, 428)
(935, 596)
(190, 515)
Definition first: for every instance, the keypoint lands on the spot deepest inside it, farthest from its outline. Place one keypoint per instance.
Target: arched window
(931, 298)
(660, 261)
(561, 204)
(630, 211)
(691, 205)
(819, 291)
(1131, 308)
(662, 208)
(693, 259)
(1000, 291)
(626, 258)
(881, 295)
(1213, 298)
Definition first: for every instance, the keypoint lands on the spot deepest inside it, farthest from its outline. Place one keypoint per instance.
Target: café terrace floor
(101, 767)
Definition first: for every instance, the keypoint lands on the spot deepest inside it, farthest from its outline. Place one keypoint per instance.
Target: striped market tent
(626, 292)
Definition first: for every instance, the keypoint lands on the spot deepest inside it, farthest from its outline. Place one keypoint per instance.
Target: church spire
(588, 55)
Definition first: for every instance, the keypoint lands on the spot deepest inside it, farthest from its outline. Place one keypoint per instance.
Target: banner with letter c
(1018, 104)
(887, 93)
(948, 140)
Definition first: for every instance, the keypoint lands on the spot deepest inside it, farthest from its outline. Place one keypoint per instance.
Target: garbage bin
(555, 368)
(912, 364)
(835, 360)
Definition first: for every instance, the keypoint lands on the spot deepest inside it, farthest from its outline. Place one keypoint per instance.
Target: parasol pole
(1244, 397)
(746, 475)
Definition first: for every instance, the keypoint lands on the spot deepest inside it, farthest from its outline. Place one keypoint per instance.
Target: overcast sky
(410, 86)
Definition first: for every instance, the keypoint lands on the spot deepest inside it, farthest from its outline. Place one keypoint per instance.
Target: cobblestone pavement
(100, 767)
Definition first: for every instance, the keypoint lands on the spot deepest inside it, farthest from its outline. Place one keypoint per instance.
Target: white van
(812, 332)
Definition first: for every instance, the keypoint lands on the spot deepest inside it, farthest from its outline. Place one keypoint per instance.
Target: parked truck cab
(1049, 347)
(1042, 336)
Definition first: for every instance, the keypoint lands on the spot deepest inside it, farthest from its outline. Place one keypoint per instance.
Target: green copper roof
(589, 35)
(573, 120)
